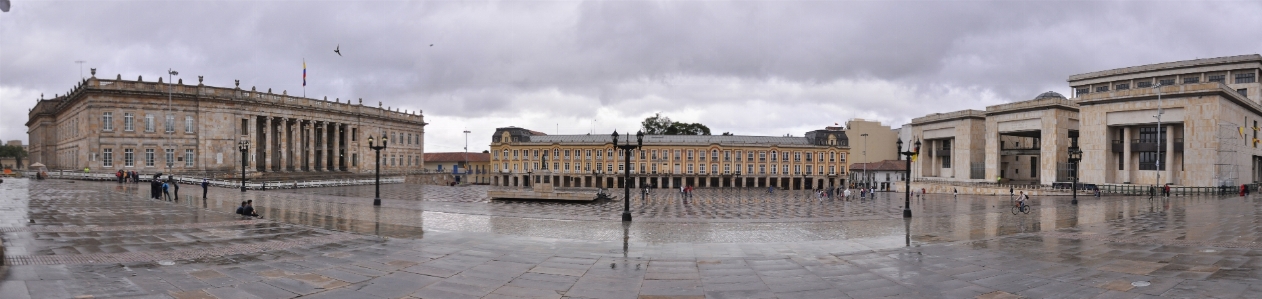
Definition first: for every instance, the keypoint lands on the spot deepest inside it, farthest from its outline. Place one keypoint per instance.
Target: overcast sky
(746, 67)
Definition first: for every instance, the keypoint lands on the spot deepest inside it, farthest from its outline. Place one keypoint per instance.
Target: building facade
(111, 125)
(878, 175)
(878, 145)
(1191, 123)
(470, 167)
(817, 160)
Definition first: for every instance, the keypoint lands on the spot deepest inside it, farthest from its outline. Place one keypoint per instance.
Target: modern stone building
(147, 126)
(1209, 122)
(1209, 109)
(817, 160)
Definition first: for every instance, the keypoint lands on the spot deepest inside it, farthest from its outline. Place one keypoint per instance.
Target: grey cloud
(492, 57)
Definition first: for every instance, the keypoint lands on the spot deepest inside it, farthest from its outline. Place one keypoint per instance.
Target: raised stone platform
(543, 192)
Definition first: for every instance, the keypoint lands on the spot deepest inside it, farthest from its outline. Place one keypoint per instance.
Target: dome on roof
(1049, 95)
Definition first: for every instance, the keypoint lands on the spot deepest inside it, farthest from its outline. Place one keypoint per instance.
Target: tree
(661, 125)
(14, 151)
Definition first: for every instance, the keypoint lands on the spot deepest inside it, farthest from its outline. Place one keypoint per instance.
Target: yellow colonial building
(817, 160)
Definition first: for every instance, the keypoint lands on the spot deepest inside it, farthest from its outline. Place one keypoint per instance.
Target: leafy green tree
(661, 125)
(13, 151)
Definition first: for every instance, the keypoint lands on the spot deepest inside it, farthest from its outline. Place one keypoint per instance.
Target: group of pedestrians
(686, 191)
(127, 176)
(160, 189)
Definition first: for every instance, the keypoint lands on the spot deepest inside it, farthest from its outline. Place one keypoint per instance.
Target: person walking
(166, 193)
(205, 186)
(175, 185)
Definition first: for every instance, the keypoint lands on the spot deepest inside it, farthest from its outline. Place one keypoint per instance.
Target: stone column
(337, 146)
(285, 135)
(308, 148)
(1168, 163)
(316, 150)
(266, 159)
(1127, 168)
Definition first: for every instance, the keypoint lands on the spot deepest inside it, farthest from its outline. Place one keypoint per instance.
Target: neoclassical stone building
(817, 160)
(151, 126)
(1207, 133)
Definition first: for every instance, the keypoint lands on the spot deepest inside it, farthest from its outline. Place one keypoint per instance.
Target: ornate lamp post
(376, 201)
(244, 147)
(1075, 155)
(626, 161)
(907, 192)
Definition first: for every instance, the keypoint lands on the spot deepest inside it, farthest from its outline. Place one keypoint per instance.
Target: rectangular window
(797, 156)
(1122, 86)
(727, 168)
(107, 157)
(749, 156)
(1249, 77)
(188, 158)
(170, 124)
(170, 157)
(588, 153)
(762, 169)
(1190, 80)
(188, 124)
(714, 168)
(773, 169)
(727, 155)
(738, 155)
(107, 121)
(129, 122)
(245, 127)
(654, 168)
(808, 156)
(1143, 84)
(599, 154)
(749, 169)
(654, 154)
(149, 157)
(946, 163)
(1101, 88)
(762, 156)
(1082, 90)
(808, 169)
(797, 169)
(609, 167)
(129, 158)
(784, 169)
(676, 154)
(1166, 81)
(1243, 92)
(1219, 77)
(1148, 161)
(148, 123)
(567, 154)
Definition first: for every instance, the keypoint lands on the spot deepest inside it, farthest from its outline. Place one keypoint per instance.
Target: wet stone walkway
(67, 239)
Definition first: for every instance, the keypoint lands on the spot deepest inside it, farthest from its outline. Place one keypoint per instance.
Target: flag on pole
(304, 73)
(1241, 132)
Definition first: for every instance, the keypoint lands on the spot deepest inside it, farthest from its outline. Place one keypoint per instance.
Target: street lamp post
(1160, 141)
(244, 146)
(907, 192)
(466, 152)
(1075, 155)
(376, 201)
(626, 161)
(865, 159)
(166, 141)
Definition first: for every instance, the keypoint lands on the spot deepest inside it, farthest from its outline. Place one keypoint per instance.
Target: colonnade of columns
(282, 144)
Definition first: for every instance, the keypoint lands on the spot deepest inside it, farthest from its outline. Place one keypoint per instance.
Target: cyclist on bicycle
(1021, 199)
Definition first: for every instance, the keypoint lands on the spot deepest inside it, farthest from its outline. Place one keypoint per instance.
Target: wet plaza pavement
(68, 239)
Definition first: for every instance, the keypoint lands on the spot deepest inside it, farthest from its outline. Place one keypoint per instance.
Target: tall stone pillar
(317, 151)
(336, 144)
(253, 136)
(1125, 175)
(308, 147)
(266, 158)
(284, 144)
(1168, 157)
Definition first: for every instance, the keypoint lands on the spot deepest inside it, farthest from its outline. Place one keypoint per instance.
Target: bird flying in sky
(338, 50)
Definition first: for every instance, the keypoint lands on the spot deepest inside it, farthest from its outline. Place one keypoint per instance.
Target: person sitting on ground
(249, 210)
(241, 209)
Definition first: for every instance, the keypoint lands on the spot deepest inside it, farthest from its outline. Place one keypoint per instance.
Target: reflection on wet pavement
(66, 239)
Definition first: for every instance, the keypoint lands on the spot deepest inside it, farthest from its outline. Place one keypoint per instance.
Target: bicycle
(1019, 206)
